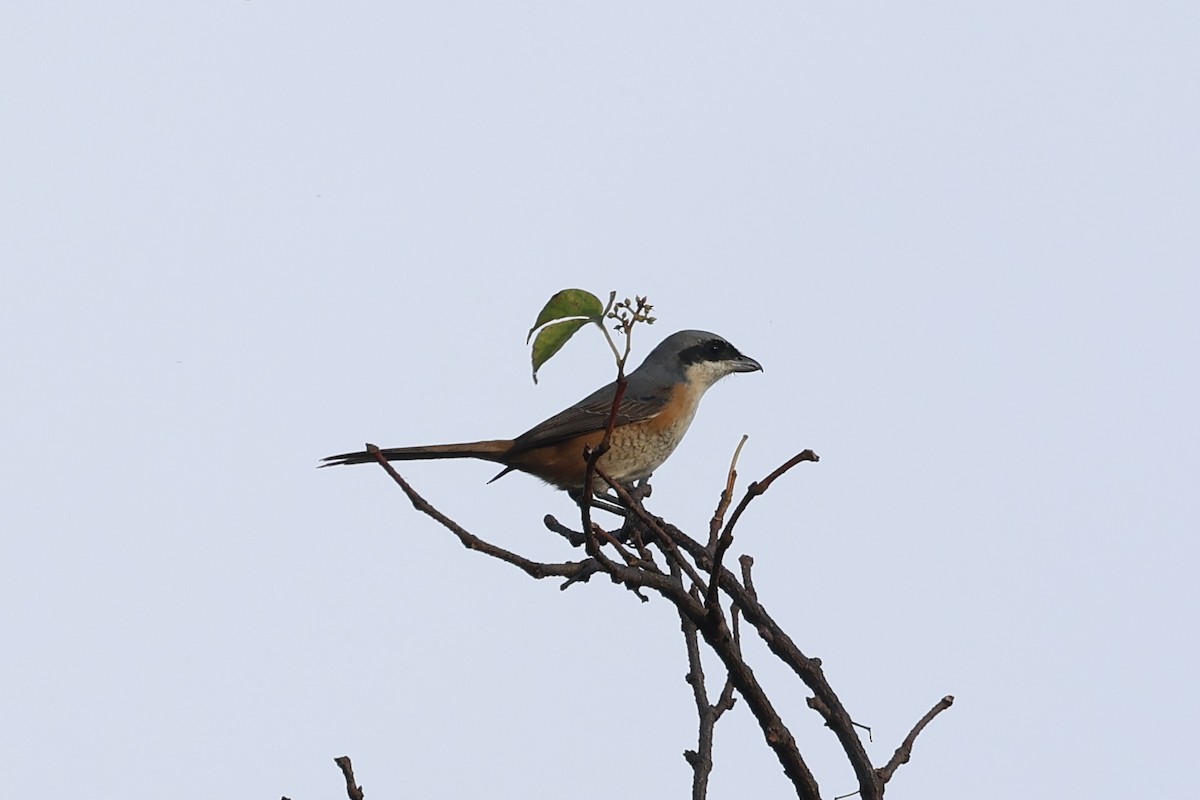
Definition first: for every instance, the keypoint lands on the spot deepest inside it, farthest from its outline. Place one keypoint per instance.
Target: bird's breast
(635, 450)
(640, 448)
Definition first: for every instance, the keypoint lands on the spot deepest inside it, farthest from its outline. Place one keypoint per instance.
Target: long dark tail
(492, 450)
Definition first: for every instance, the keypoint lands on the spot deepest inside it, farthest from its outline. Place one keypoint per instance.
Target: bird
(661, 397)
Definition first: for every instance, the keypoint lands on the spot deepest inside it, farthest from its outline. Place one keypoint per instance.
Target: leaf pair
(560, 319)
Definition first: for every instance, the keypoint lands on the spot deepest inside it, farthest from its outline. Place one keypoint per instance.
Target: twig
(629, 557)
(591, 456)
(904, 751)
(575, 538)
(700, 759)
(708, 714)
(779, 738)
(630, 561)
(665, 541)
(726, 496)
(627, 314)
(747, 562)
(752, 491)
(635, 536)
(535, 569)
(592, 567)
(353, 790)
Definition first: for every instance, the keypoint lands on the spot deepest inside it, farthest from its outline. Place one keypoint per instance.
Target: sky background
(240, 236)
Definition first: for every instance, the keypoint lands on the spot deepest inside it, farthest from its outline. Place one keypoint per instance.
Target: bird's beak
(746, 364)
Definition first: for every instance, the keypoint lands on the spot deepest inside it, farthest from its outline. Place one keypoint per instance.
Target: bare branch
(718, 518)
(535, 569)
(904, 751)
(665, 540)
(752, 491)
(700, 759)
(718, 636)
(575, 538)
(635, 536)
(712, 628)
(725, 700)
(353, 790)
(807, 669)
(778, 737)
(747, 562)
(701, 615)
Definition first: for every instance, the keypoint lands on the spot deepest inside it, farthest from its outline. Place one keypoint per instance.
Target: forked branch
(700, 607)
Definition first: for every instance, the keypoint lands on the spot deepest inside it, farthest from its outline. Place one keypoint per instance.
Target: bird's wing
(589, 414)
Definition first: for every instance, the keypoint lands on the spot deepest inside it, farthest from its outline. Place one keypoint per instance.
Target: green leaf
(567, 304)
(550, 340)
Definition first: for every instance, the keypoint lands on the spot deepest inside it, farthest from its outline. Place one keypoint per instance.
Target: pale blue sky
(239, 236)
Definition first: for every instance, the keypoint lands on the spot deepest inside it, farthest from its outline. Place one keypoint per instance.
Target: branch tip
(353, 790)
(904, 751)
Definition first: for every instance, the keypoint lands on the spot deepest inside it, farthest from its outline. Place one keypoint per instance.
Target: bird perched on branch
(660, 399)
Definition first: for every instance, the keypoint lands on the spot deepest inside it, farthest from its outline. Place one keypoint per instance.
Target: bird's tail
(491, 450)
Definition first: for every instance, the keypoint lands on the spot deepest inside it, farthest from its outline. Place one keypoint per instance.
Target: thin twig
(904, 751)
(575, 538)
(779, 738)
(629, 557)
(635, 536)
(700, 759)
(726, 700)
(535, 569)
(591, 456)
(718, 517)
(752, 491)
(664, 538)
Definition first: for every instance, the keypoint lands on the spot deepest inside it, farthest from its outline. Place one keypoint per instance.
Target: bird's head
(702, 358)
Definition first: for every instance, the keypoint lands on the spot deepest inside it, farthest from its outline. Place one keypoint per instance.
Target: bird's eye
(714, 348)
